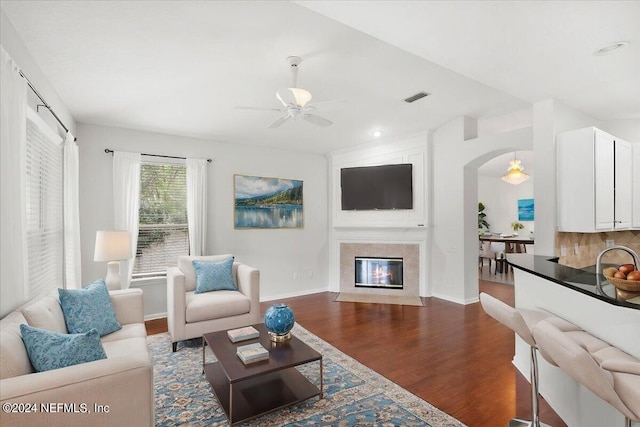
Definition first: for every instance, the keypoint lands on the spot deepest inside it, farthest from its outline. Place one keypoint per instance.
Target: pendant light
(515, 174)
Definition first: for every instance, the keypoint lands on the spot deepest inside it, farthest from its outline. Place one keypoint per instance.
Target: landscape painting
(525, 210)
(267, 202)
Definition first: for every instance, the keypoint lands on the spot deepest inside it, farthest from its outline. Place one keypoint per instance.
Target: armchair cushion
(52, 350)
(186, 266)
(215, 305)
(89, 308)
(214, 276)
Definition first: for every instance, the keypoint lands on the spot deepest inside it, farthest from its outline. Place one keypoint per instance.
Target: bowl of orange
(625, 278)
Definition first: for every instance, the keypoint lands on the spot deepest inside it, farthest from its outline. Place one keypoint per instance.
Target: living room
(115, 98)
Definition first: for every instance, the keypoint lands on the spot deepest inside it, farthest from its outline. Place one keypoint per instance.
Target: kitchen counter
(542, 284)
(580, 280)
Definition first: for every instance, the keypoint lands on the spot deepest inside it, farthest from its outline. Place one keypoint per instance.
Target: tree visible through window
(164, 233)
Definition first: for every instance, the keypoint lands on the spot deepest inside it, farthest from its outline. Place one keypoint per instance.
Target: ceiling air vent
(414, 98)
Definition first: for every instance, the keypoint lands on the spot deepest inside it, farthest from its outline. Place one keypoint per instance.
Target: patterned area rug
(354, 395)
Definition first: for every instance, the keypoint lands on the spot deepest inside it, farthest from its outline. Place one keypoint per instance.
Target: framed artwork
(261, 202)
(525, 209)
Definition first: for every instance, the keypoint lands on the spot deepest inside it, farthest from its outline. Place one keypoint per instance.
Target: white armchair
(190, 315)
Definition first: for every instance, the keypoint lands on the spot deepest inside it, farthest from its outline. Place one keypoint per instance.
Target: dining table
(512, 244)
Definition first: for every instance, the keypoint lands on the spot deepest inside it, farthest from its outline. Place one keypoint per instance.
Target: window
(163, 231)
(44, 222)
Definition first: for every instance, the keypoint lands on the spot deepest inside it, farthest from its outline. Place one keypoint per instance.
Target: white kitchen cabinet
(635, 197)
(594, 181)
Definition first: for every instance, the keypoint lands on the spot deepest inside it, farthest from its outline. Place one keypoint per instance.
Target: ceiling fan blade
(316, 120)
(335, 104)
(286, 97)
(244, 108)
(279, 122)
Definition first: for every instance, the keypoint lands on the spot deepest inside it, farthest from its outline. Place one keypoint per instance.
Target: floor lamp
(112, 246)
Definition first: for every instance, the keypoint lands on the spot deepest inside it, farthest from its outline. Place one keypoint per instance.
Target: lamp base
(113, 276)
(279, 338)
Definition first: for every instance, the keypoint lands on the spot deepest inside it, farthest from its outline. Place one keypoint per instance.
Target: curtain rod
(108, 151)
(45, 104)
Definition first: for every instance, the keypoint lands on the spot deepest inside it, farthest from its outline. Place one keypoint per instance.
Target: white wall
(278, 253)
(14, 45)
(504, 123)
(454, 247)
(501, 202)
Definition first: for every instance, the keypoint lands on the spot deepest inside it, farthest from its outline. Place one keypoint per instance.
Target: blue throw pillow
(89, 308)
(214, 276)
(52, 350)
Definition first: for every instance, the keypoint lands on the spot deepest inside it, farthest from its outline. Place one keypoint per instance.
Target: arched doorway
(501, 201)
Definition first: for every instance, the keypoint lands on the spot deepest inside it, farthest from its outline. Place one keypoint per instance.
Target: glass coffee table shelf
(248, 391)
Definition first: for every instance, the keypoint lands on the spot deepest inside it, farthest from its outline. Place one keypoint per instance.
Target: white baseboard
(293, 294)
(155, 316)
(456, 300)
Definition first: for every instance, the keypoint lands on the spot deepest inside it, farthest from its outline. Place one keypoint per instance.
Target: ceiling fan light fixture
(515, 173)
(302, 96)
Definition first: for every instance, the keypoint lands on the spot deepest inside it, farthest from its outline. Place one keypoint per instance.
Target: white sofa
(123, 382)
(190, 315)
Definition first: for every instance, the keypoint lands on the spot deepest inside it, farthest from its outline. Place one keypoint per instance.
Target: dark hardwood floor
(455, 357)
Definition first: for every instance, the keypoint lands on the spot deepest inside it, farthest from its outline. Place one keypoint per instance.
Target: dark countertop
(580, 280)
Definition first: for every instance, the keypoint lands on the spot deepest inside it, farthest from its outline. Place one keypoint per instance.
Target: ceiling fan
(295, 102)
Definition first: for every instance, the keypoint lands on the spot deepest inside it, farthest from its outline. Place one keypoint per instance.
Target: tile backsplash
(591, 244)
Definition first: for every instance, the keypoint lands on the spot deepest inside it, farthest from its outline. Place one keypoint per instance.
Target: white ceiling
(180, 67)
(533, 50)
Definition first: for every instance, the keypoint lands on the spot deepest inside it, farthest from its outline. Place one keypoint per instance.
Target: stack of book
(251, 353)
(243, 334)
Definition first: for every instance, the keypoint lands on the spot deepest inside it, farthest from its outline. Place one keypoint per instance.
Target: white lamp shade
(302, 96)
(112, 245)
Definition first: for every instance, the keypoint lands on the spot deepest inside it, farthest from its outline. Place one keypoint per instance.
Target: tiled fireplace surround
(410, 254)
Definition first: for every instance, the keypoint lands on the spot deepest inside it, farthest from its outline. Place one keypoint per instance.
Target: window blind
(163, 231)
(44, 208)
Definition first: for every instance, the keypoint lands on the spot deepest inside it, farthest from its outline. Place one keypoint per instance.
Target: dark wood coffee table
(247, 391)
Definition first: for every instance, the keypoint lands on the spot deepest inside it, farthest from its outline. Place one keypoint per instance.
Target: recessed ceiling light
(376, 133)
(611, 48)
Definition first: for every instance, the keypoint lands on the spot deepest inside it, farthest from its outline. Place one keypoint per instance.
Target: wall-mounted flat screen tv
(377, 187)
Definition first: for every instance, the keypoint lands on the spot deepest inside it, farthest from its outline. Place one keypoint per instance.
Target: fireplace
(374, 272)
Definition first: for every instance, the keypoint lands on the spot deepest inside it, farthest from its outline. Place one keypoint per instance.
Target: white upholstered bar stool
(607, 371)
(520, 321)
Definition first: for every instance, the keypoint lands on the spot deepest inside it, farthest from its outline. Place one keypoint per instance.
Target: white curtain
(13, 128)
(72, 265)
(197, 205)
(126, 203)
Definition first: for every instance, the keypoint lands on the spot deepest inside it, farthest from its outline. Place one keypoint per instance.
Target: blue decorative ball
(278, 319)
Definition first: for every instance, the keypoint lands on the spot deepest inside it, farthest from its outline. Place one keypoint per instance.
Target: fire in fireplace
(373, 272)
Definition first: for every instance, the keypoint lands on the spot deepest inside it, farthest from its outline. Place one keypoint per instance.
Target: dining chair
(486, 253)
